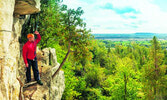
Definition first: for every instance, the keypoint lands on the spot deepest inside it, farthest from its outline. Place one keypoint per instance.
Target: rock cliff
(12, 69)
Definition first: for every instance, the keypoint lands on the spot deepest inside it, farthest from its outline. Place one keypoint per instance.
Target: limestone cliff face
(12, 69)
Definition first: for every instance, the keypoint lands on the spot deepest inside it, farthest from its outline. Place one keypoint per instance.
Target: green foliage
(102, 69)
(154, 71)
(49, 24)
(94, 76)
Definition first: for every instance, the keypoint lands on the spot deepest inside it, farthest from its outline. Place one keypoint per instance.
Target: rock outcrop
(12, 72)
(52, 88)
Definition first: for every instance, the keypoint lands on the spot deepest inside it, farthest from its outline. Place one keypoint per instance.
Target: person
(30, 59)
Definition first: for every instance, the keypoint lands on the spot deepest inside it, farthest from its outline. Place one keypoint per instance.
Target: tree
(124, 84)
(126, 70)
(50, 26)
(76, 36)
(64, 26)
(154, 72)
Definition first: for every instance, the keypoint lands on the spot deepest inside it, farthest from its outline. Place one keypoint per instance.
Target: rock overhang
(26, 7)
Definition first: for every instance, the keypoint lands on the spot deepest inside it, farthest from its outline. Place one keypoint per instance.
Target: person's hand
(27, 65)
(36, 32)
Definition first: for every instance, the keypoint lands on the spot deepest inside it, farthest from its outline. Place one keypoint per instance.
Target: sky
(123, 16)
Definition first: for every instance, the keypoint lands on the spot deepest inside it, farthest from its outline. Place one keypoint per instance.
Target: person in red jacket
(30, 59)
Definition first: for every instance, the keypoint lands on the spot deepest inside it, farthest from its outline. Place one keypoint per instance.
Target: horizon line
(131, 33)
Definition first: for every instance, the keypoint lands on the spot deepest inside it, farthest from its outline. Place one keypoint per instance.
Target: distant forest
(134, 36)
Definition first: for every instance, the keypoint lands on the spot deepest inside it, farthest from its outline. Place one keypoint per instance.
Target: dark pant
(34, 65)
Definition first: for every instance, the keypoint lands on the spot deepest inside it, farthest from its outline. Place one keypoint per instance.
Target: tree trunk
(61, 65)
(125, 86)
(156, 70)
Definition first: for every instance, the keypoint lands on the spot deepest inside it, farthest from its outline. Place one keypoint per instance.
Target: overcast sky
(123, 16)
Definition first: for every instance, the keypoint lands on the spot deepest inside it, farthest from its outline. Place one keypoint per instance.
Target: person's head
(30, 37)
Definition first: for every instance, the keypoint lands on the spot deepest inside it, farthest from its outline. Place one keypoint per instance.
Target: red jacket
(29, 49)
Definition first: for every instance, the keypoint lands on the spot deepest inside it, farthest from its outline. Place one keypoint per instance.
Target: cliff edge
(12, 69)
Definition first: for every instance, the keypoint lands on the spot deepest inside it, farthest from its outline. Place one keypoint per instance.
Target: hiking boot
(39, 82)
(28, 82)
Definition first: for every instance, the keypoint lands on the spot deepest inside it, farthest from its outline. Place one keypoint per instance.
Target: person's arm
(24, 53)
(38, 36)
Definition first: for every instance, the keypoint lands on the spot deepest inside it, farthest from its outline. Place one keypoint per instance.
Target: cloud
(96, 25)
(109, 6)
(129, 16)
(133, 17)
(131, 25)
(125, 10)
(89, 1)
(122, 16)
